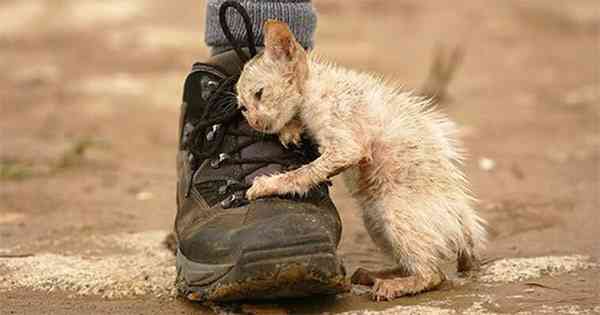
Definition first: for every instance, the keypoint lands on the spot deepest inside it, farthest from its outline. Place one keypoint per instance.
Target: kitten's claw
(289, 137)
(291, 133)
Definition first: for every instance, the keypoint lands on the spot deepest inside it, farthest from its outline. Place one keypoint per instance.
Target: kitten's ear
(280, 43)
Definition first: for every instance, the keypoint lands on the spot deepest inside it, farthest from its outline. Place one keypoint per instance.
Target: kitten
(398, 157)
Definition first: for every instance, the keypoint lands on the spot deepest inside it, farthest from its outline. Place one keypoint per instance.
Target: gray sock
(300, 15)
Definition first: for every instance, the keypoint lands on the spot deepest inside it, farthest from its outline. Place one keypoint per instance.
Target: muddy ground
(89, 96)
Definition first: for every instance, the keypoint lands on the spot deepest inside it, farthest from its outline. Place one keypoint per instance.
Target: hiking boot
(227, 247)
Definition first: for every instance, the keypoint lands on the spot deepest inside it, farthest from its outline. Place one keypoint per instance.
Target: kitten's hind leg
(389, 289)
(366, 277)
(402, 227)
(388, 284)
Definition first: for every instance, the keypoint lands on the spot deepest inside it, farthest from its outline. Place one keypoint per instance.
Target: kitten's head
(270, 88)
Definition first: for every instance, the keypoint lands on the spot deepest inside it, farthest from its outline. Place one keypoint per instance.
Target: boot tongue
(260, 149)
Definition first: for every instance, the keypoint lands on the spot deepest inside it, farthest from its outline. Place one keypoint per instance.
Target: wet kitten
(398, 157)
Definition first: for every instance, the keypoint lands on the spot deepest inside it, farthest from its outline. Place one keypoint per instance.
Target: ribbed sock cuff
(300, 15)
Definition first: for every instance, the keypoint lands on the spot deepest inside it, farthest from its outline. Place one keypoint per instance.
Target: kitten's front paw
(261, 187)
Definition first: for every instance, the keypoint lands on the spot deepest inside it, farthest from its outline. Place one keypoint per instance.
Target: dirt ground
(89, 104)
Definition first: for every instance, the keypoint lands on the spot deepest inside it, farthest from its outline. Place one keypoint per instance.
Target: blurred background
(89, 103)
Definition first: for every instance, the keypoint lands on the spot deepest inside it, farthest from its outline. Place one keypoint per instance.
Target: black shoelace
(219, 119)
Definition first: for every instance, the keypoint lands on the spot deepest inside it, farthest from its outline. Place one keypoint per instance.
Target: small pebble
(144, 195)
(487, 164)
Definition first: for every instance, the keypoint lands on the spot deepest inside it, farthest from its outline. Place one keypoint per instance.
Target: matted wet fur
(398, 156)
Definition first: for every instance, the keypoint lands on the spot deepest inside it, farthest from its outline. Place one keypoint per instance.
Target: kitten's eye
(258, 94)
(243, 108)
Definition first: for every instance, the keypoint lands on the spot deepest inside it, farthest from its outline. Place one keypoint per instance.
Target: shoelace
(217, 121)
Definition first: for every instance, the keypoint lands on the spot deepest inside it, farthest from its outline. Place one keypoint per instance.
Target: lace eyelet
(223, 189)
(210, 136)
(216, 163)
(186, 132)
(229, 201)
(207, 87)
(213, 84)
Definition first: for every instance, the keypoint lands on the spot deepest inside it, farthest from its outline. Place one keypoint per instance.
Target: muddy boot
(229, 248)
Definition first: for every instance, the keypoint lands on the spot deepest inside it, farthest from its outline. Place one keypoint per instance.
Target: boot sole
(304, 269)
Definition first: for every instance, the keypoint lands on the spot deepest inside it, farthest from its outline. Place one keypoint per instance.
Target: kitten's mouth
(262, 127)
(267, 130)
